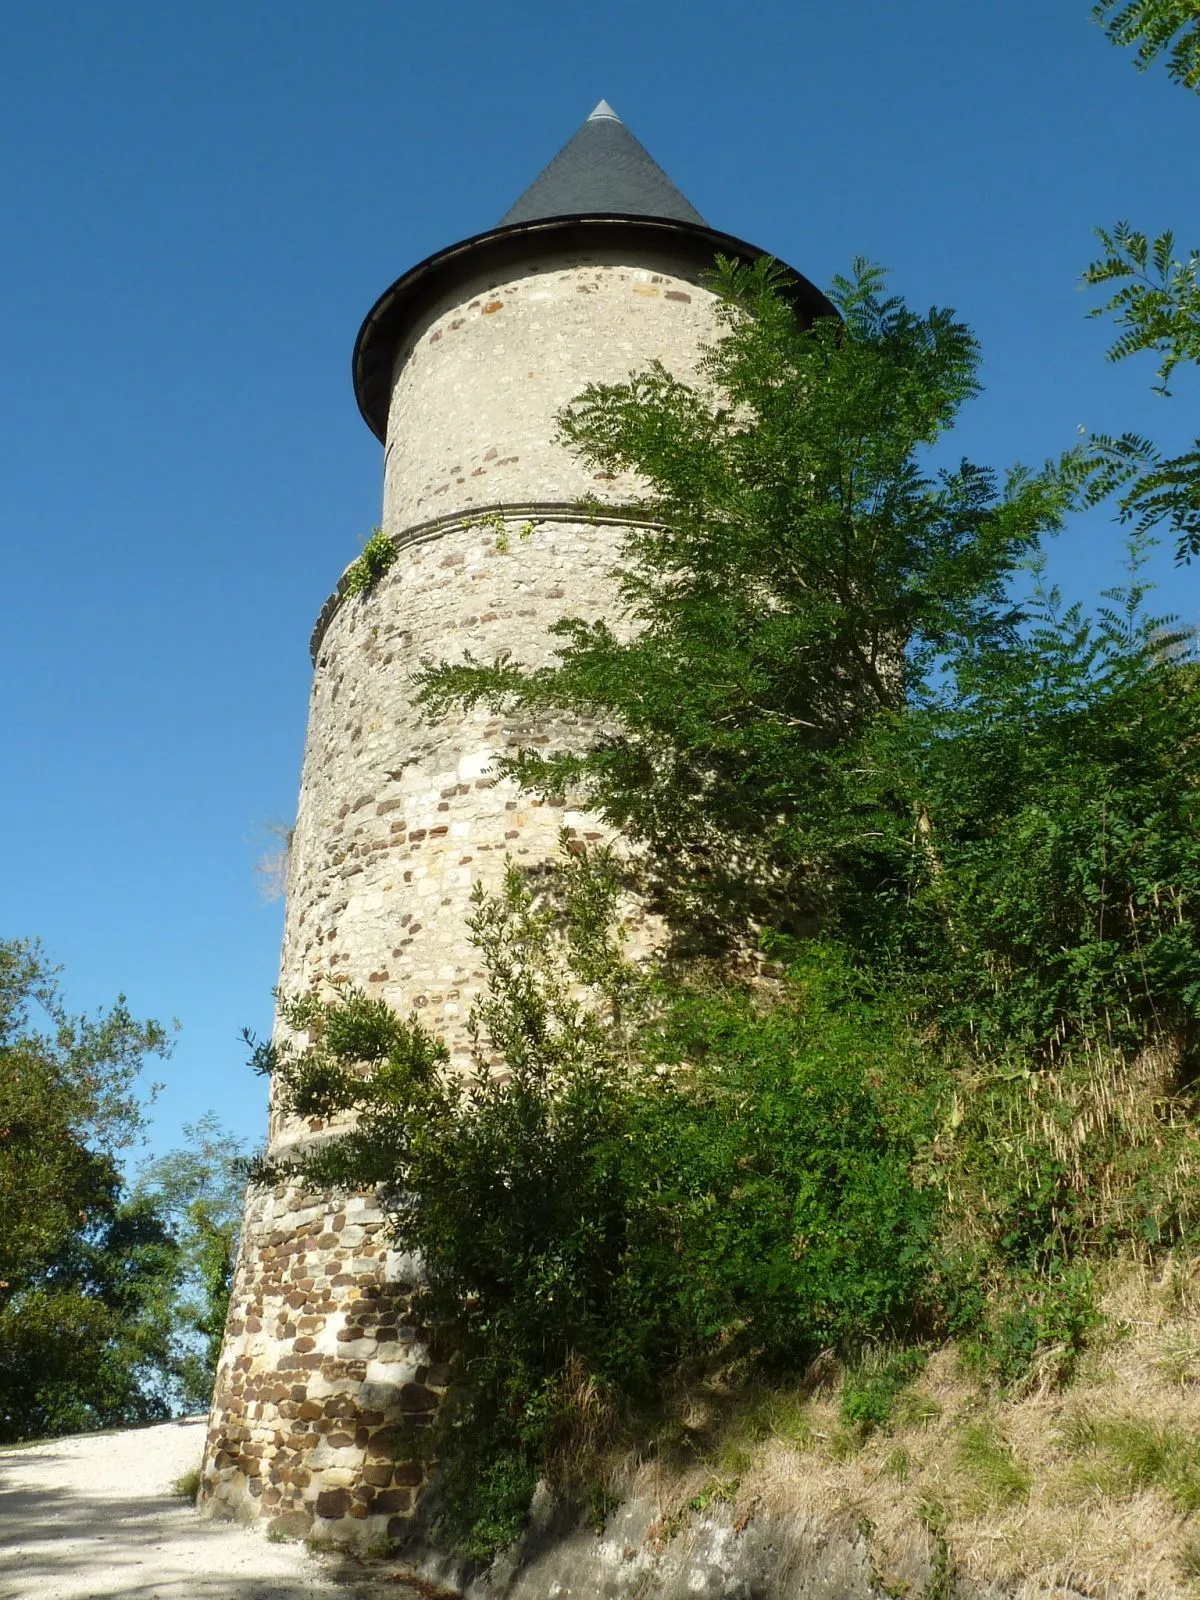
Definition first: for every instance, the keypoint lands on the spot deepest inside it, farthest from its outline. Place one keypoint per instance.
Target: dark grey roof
(601, 193)
(602, 171)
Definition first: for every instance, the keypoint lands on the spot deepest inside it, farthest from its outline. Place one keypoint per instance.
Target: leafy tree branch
(1156, 28)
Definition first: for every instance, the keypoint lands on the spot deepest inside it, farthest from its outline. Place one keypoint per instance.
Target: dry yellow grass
(1094, 1489)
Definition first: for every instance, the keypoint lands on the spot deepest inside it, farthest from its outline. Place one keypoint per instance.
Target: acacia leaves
(1156, 306)
(1157, 28)
(797, 570)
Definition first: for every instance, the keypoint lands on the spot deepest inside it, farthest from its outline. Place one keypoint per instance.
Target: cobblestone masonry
(323, 1358)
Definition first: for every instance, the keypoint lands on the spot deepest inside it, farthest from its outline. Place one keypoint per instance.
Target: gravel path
(93, 1518)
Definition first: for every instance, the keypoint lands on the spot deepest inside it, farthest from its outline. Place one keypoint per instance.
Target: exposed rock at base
(718, 1555)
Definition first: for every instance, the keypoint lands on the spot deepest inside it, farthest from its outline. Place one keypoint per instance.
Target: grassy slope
(1091, 1488)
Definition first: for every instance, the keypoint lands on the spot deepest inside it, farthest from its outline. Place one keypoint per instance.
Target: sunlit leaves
(1156, 28)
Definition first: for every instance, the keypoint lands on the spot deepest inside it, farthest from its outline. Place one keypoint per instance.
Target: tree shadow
(56, 1542)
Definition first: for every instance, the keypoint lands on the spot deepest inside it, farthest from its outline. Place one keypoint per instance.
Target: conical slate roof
(602, 171)
(601, 192)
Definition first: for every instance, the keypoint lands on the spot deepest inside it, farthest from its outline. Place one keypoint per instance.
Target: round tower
(459, 370)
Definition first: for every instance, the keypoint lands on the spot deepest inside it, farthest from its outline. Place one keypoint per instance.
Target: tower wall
(398, 820)
(476, 388)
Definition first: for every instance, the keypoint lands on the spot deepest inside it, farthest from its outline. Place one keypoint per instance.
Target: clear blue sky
(199, 204)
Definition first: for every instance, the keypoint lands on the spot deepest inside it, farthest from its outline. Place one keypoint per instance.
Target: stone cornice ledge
(507, 510)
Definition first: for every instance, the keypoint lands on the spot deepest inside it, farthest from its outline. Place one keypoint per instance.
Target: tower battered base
(322, 1365)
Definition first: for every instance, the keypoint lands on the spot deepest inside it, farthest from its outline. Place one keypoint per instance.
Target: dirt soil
(94, 1517)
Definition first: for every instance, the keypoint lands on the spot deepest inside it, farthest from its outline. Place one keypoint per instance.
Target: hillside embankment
(1090, 1490)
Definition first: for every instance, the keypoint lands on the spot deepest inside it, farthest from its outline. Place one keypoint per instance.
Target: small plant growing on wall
(376, 557)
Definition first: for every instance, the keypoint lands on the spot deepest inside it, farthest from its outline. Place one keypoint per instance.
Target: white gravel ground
(94, 1518)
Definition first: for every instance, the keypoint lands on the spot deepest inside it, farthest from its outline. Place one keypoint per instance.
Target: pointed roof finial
(602, 171)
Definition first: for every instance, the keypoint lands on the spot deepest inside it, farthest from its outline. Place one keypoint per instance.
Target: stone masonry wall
(322, 1362)
(398, 820)
(472, 416)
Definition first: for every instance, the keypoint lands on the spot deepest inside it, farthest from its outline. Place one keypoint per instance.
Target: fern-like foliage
(1151, 489)
(1156, 306)
(1157, 28)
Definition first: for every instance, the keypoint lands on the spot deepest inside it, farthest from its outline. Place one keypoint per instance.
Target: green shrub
(1040, 1325)
(376, 557)
(871, 1389)
(660, 1177)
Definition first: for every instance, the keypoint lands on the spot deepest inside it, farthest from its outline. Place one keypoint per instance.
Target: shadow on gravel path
(94, 1518)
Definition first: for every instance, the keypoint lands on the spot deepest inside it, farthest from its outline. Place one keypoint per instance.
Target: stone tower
(459, 370)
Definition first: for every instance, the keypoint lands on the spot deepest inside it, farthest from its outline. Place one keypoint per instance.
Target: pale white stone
(474, 765)
(326, 1341)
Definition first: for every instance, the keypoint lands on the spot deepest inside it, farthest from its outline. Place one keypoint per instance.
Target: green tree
(199, 1189)
(1157, 28)
(801, 575)
(841, 715)
(656, 1177)
(1155, 303)
(843, 705)
(87, 1275)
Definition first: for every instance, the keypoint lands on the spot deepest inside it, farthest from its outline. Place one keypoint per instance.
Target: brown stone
(416, 1397)
(393, 1500)
(333, 1502)
(383, 1445)
(291, 1524)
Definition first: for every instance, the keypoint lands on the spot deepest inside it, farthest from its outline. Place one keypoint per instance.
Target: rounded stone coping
(506, 510)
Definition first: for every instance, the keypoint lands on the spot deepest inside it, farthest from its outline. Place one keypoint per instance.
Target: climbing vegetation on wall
(376, 557)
